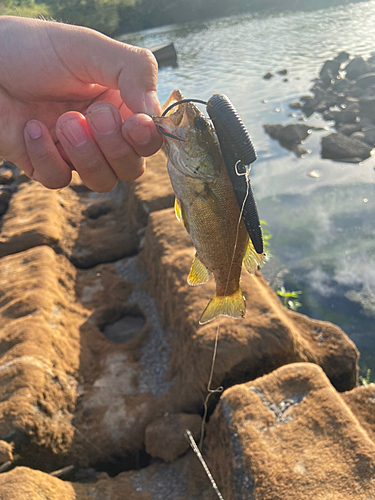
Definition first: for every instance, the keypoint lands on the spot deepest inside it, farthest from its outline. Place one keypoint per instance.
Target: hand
(73, 98)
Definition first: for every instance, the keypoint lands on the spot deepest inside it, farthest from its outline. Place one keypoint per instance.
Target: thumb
(98, 59)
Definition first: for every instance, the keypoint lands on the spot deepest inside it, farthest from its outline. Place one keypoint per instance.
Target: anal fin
(233, 306)
(199, 274)
(252, 260)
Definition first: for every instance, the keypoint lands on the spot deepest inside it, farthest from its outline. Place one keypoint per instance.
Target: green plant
(290, 298)
(266, 237)
(366, 380)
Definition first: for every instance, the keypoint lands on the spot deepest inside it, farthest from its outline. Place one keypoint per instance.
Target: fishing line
(221, 388)
(199, 101)
(195, 448)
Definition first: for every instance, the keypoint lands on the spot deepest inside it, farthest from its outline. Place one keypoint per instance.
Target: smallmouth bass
(206, 204)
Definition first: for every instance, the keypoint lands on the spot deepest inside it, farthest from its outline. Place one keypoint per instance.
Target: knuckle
(148, 58)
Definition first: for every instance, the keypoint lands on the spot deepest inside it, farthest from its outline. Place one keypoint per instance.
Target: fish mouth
(166, 127)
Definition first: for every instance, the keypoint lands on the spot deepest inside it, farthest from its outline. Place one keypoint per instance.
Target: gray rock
(268, 76)
(367, 107)
(290, 134)
(329, 71)
(348, 128)
(5, 196)
(356, 68)
(369, 134)
(365, 81)
(282, 72)
(339, 147)
(342, 57)
(295, 105)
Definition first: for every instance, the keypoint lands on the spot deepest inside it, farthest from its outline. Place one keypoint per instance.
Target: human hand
(73, 98)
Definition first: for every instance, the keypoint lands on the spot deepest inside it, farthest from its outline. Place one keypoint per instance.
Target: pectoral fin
(199, 274)
(177, 209)
(252, 260)
(230, 305)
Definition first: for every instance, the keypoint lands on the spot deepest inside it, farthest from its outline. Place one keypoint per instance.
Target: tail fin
(230, 305)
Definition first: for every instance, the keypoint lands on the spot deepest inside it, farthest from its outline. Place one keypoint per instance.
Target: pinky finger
(49, 168)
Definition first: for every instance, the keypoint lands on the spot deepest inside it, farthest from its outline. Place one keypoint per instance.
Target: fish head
(190, 139)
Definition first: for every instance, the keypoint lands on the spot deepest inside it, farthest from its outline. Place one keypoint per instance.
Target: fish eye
(200, 123)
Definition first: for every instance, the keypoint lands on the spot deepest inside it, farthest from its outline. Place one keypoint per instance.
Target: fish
(206, 204)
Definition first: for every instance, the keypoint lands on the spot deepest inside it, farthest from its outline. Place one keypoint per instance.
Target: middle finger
(84, 153)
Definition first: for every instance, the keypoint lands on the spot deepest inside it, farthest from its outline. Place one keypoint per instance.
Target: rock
(338, 146)
(165, 436)
(342, 57)
(5, 196)
(348, 128)
(341, 85)
(282, 72)
(349, 114)
(356, 67)
(6, 452)
(290, 134)
(38, 216)
(361, 401)
(182, 480)
(365, 81)
(367, 107)
(6, 176)
(295, 105)
(369, 133)
(289, 435)
(360, 136)
(268, 76)
(329, 71)
(22, 483)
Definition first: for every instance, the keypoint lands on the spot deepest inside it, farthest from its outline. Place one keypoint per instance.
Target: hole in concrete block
(97, 209)
(124, 327)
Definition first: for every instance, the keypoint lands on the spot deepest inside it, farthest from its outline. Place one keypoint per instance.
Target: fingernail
(140, 135)
(102, 120)
(74, 132)
(34, 129)
(152, 103)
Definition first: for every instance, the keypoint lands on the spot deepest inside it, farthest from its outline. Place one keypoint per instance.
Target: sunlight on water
(324, 232)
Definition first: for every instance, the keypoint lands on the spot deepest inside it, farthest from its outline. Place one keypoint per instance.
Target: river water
(323, 227)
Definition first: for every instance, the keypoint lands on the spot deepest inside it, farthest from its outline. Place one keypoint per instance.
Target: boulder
(182, 480)
(22, 483)
(342, 57)
(295, 105)
(365, 81)
(337, 146)
(6, 176)
(361, 401)
(289, 435)
(5, 196)
(329, 71)
(356, 67)
(6, 452)
(367, 107)
(268, 76)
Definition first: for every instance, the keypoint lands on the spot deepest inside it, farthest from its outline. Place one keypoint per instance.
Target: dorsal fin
(252, 260)
(199, 274)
